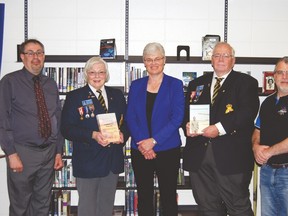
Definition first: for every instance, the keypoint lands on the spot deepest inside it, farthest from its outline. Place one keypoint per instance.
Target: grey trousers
(30, 190)
(96, 195)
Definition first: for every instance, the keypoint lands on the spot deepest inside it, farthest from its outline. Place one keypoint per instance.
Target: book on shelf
(133, 74)
(60, 203)
(208, 44)
(128, 147)
(67, 78)
(199, 117)
(131, 204)
(107, 49)
(181, 176)
(187, 77)
(129, 174)
(64, 177)
(108, 126)
(68, 148)
(66, 203)
(268, 82)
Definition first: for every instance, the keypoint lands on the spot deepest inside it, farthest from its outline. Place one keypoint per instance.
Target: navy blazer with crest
(89, 158)
(236, 107)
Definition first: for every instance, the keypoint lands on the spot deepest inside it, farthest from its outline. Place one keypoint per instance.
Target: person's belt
(43, 146)
(277, 166)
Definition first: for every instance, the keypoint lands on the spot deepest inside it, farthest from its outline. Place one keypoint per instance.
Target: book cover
(268, 82)
(107, 48)
(66, 203)
(187, 77)
(208, 44)
(108, 126)
(199, 117)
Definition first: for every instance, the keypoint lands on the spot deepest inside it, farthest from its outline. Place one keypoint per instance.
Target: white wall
(256, 28)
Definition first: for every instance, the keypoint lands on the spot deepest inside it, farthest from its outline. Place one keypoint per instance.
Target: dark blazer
(236, 107)
(89, 158)
(167, 115)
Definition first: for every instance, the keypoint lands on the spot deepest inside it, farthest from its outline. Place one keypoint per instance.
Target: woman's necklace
(154, 85)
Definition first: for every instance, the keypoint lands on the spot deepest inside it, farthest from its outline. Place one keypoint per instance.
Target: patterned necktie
(101, 100)
(42, 111)
(216, 88)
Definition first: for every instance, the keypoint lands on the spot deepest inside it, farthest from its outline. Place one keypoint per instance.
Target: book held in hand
(107, 49)
(199, 117)
(108, 126)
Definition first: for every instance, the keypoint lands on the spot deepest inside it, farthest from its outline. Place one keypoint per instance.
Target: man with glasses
(220, 158)
(270, 145)
(30, 134)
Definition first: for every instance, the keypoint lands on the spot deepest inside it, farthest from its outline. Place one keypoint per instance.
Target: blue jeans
(274, 191)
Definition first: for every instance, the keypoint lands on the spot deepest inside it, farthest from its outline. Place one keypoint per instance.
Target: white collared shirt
(218, 124)
(104, 94)
(214, 82)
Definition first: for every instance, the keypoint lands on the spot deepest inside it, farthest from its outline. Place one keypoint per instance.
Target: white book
(199, 117)
(64, 80)
(108, 126)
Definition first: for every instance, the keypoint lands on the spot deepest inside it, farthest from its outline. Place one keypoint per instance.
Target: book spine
(60, 77)
(64, 84)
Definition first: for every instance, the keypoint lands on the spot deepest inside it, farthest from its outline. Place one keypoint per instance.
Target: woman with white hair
(96, 161)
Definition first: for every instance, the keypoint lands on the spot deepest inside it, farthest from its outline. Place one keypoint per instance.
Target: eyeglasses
(280, 72)
(156, 60)
(224, 56)
(94, 74)
(37, 53)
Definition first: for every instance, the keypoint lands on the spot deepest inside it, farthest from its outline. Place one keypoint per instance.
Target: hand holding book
(109, 129)
(199, 119)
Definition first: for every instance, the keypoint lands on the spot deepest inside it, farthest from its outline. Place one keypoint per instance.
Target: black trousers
(220, 195)
(166, 166)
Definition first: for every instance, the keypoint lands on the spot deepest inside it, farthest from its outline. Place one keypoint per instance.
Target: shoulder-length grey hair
(95, 60)
(152, 48)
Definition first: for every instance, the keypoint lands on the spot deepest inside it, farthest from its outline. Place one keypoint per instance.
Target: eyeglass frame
(94, 73)
(37, 53)
(224, 56)
(281, 72)
(156, 60)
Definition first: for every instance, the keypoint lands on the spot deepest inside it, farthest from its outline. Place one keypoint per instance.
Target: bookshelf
(128, 61)
(169, 59)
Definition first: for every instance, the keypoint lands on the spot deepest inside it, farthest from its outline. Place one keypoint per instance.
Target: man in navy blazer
(96, 162)
(220, 159)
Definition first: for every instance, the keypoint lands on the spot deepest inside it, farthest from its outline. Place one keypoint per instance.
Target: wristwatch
(154, 141)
